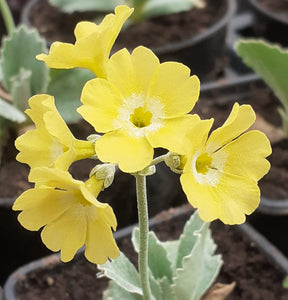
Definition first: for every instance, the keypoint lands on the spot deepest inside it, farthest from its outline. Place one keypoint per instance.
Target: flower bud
(104, 172)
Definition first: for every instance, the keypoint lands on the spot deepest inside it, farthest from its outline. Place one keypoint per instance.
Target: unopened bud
(104, 172)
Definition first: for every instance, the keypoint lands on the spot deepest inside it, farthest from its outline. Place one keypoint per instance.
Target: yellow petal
(84, 29)
(175, 88)
(55, 178)
(38, 149)
(92, 47)
(67, 233)
(61, 56)
(57, 127)
(229, 200)
(132, 73)
(41, 206)
(100, 244)
(131, 153)
(101, 101)
(246, 155)
(239, 120)
(172, 135)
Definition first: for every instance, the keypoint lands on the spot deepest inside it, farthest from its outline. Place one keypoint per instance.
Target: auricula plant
(143, 9)
(137, 104)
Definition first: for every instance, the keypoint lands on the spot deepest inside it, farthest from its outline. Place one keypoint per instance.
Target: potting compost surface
(57, 26)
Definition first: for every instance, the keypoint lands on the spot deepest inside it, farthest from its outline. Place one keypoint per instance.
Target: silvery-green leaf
(115, 292)
(70, 6)
(188, 239)
(172, 251)
(66, 86)
(199, 268)
(19, 51)
(10, 112)
(123, 272)
(270, 62)
(165, 7)
(158, 261)
(21, 89)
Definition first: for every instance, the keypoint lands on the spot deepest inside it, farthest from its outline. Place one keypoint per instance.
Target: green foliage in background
(270, 62)
(142, 8)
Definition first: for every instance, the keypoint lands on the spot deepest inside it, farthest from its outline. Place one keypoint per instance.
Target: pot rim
(265, 11)
(274, 254)
(171, 47)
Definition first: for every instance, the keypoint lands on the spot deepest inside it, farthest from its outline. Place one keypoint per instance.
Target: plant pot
(194, 49)
(271, 20)
(244, 253)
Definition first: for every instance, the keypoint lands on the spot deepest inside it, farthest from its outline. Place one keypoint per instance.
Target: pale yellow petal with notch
(131, 153)
(100, 244)
(175, 88)
(172, 134)
(229, 200)
(101, 101)
(67, 233)
(246, 155)
(239, 120)
(38, 210)
(132, 73)
(38, 144)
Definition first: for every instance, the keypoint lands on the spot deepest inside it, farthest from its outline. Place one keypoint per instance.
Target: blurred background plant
(143, 9)
(22, 76)
(270, 62)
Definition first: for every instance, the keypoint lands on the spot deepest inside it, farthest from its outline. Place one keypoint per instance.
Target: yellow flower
(221, 171)
(142, 105)
(93, 44)
(70, 214)
(51, 144)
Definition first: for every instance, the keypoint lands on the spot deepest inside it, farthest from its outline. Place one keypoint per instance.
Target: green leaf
(20, 89)
(66, 86)
(172, 251)
(164, 7)
(70, 6)
(166, 288)
(123, 272)
(18, 52)
(285, 282)
(115, 292)
(188, 238)
(9, 112)
(270, 62)
(158, 261)
(199, 268)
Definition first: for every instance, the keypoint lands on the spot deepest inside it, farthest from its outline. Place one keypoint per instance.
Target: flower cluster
(137, 104)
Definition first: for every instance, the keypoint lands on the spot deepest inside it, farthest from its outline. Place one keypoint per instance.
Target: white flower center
(208, 168)
(138, 116)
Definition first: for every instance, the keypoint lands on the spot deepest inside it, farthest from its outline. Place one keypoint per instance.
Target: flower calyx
(174, 162)
(104, 172)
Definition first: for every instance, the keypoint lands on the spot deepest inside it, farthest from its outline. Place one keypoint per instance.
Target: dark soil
(57, 26)
(256, 278)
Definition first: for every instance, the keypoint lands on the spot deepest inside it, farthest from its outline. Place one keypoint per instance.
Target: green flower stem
(7, 16)
(158, 159)
(143, 232)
